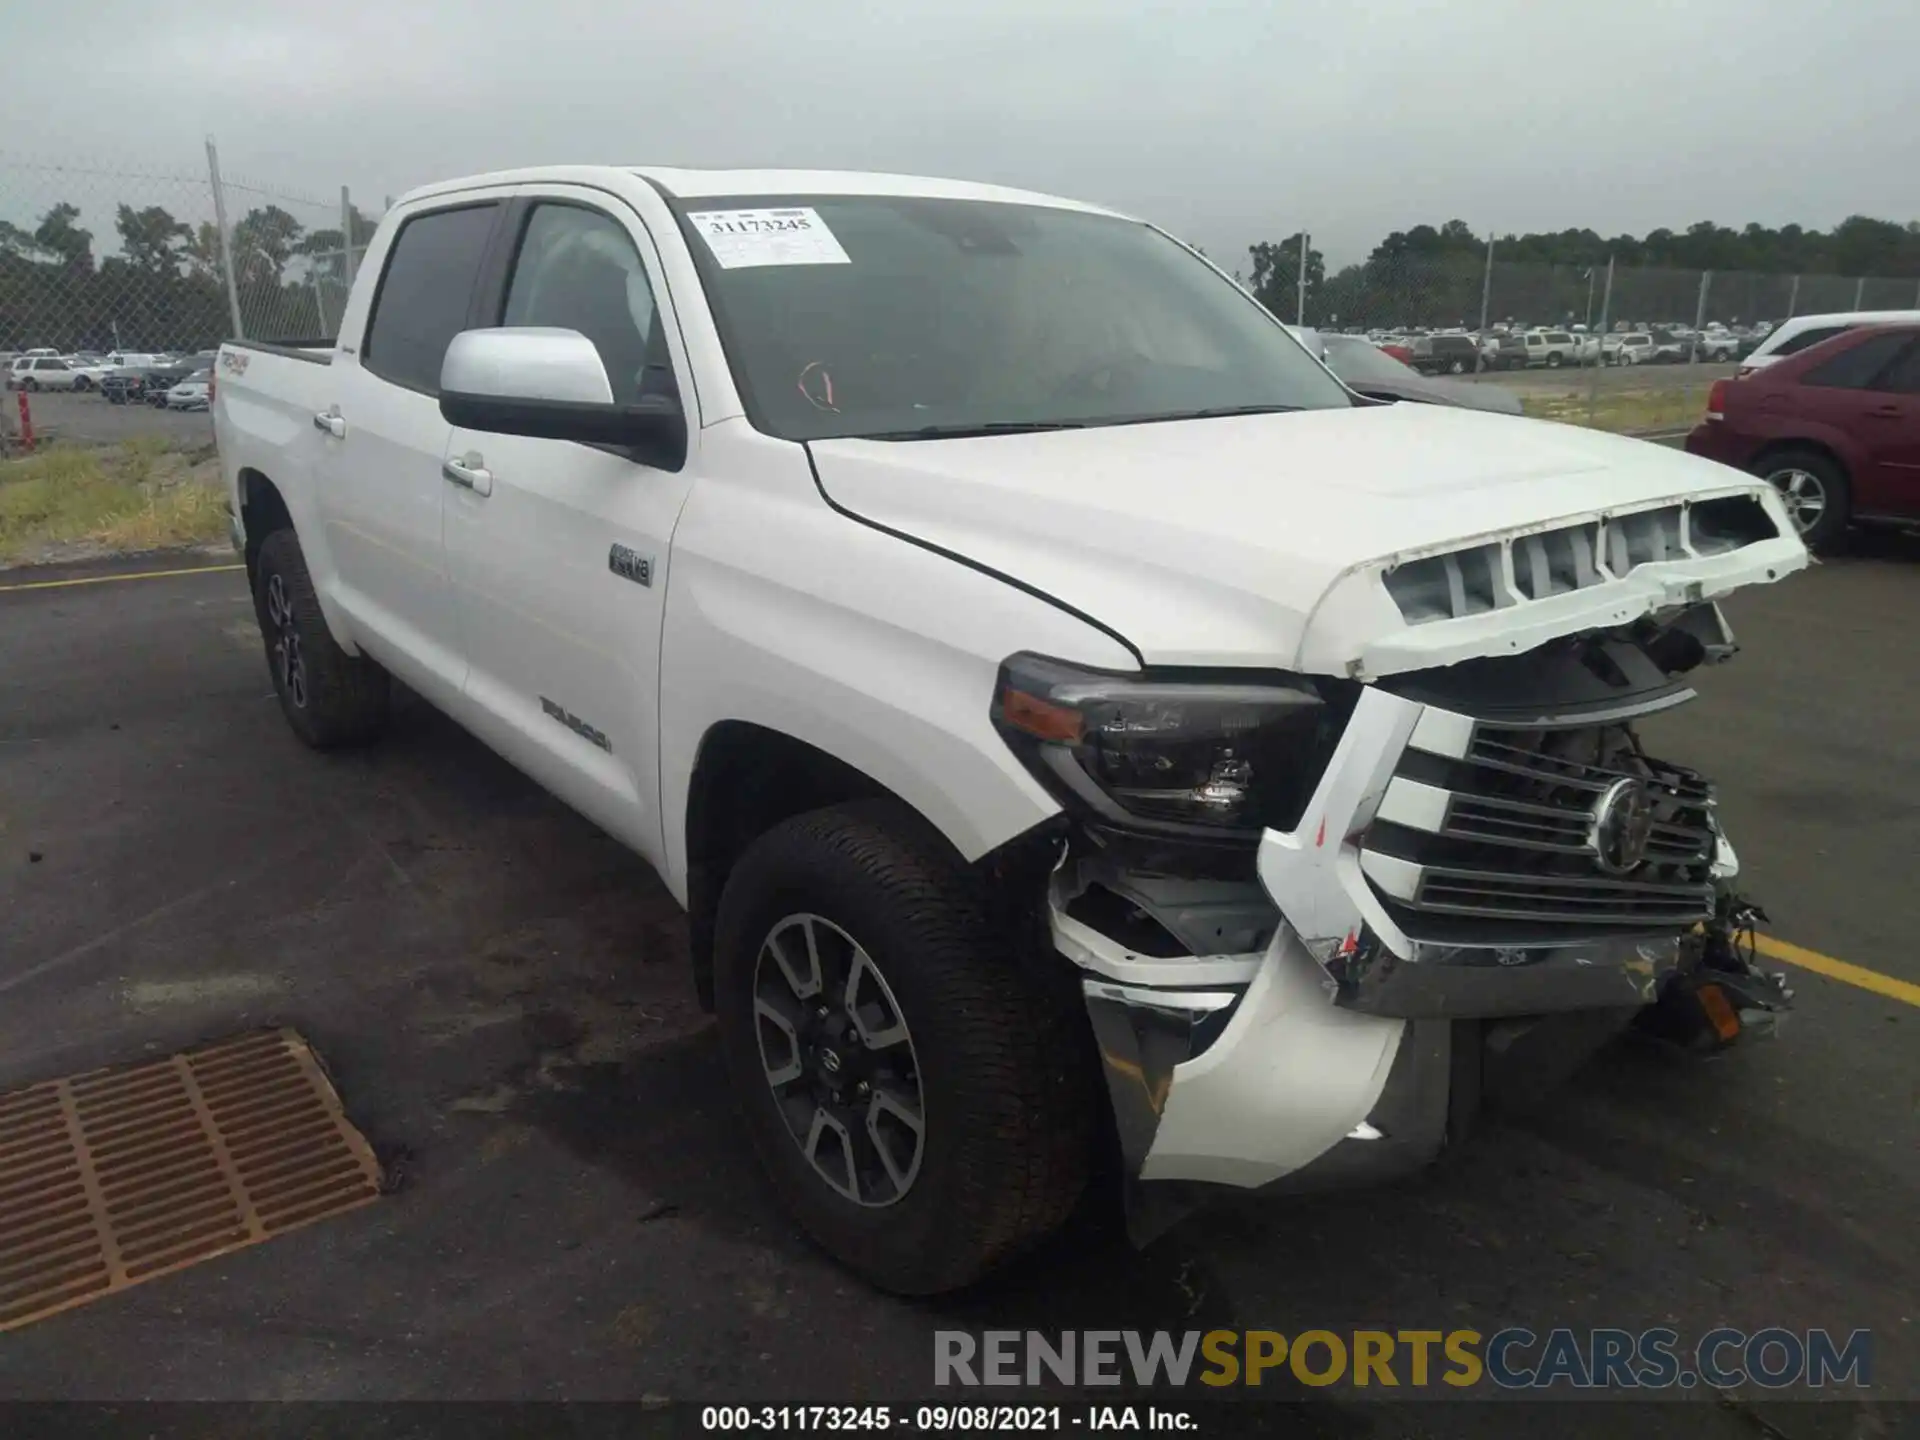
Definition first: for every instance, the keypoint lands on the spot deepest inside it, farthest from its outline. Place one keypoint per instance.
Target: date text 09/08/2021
(934, 1419)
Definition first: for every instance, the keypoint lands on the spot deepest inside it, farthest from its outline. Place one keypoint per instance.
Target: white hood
(1265, 539)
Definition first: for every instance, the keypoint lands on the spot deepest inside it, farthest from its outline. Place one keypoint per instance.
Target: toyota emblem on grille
(1622, 825)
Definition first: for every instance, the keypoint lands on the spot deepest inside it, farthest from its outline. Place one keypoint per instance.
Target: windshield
(899, 317)
(1360, 361)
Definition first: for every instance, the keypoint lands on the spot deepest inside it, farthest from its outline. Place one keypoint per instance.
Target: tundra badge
(630, 565)
(574, 723)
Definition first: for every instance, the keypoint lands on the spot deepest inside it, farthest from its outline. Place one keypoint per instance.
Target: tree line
(1434, 276)
(165, 288)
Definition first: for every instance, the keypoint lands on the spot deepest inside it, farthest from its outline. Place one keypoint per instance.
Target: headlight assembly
(1203, 754)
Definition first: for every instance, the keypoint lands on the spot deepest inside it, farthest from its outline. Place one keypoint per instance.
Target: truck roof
(685, 184)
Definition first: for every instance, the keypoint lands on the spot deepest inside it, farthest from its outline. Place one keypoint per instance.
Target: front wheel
(1815, 489)
(918, 1090)
(329, 697)
(1457, 367)
(82, 383)
(1554, 361)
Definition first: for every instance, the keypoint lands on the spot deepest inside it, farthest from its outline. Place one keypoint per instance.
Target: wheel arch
(267, 505)
(263, 509)
(748, 778)
(1786, 445)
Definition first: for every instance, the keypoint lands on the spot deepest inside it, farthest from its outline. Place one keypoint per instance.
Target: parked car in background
(1309, 337)
(1670, 347)
(131, 386)
(44, 372)
(1835, 427)
(162, 378)
(193, 393)
(1364, 369)
(1552, 348)
(1715, 347)
(1397, 346)
(87, 374)
(1445, 354)
(131, 359)
(1803, 332)
(1633, 348)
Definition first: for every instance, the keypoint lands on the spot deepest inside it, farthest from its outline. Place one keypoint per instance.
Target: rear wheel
(1553, 360)
(918, 1091)
(1457, 366)
(329, 697)
(1815, 489)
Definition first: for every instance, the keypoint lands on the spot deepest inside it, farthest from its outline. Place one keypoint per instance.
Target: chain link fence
(105, 257)
(1483, 295)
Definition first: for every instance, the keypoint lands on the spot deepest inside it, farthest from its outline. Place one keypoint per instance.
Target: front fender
(878, 652)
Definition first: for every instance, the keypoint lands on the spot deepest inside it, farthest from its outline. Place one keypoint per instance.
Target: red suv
(1835, 427)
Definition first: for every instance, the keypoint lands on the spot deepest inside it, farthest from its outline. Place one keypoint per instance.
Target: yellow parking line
(109, 579)
(1904, 990)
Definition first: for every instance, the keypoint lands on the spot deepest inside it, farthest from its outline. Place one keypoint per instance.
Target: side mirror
(550, 384)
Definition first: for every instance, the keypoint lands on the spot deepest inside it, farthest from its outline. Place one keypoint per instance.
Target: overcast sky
(1225, 122)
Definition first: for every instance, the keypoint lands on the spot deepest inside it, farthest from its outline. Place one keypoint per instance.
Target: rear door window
(1794, 344)
(1903, 376)
(424, 295)
(1858, 367)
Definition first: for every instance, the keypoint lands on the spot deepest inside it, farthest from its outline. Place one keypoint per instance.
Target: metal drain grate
(117, 1176)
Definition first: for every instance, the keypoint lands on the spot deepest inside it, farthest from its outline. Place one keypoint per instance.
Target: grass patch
(142, 495)
(1627, 412)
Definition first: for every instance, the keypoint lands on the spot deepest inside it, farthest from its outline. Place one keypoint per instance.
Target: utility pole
(1486, 295)
(346, 238)
(1699, 317)
(1300, 314)
(1593, 382)
(226, 240)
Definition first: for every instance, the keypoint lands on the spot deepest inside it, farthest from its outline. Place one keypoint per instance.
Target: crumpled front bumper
(1328, 1055)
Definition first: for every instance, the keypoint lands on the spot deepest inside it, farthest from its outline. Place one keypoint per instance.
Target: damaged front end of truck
(1318, 918)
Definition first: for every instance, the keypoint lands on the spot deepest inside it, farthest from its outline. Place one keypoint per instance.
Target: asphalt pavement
(501, 993)
(92, 419)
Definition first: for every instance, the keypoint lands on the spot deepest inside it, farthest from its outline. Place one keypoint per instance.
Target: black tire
(81, 382)
(1002, 1059)
(1456, 367)
(1553, 360)
(329, 697)
(1796, 473)
(32, 385)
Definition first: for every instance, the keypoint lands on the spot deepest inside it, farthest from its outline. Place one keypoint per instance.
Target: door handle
(1887, 412)
(468, 475)
(331, 423)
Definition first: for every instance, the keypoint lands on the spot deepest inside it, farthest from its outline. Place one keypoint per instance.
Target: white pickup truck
(1075, 723)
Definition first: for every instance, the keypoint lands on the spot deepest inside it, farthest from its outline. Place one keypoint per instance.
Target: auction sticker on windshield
(741, 238)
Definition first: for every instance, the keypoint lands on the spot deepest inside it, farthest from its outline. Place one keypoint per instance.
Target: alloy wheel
(1805, 494)
(838, 1057)
(290, 667)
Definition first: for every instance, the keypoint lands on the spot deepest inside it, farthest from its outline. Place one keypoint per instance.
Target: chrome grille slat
(1504, 833)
